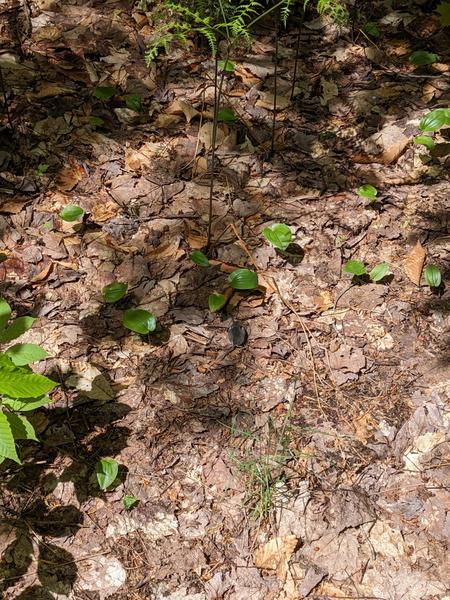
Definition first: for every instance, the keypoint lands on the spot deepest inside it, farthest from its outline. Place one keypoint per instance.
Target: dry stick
(288, 305)
(275, 90)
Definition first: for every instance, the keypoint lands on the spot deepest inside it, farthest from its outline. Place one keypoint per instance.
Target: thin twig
(275, 90)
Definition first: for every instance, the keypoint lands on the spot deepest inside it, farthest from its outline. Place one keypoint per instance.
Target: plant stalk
(275, 91)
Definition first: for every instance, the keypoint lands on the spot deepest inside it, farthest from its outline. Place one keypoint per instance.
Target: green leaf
(95, 121)
(114, 292)
(25, 404)
(71, 212)
(421, 58)
(355, 267)
(243, 279)
(5, 313)
(226, 65)
(434, 120)
(216, 302)
(367, 191)
(138, 320)
(424, 140)
(379, 271)
(104, 93)
(133, 102)
(444, 13)
(21, 427)
(372, 29)
(226, 115)
(432, 276)
(41, 169)
(18, 382)
(199, 258)
(5, 361)
(17, 328)
(129, 501)
(25, 354)
(279, 235)
(106, 471)
(7, 442)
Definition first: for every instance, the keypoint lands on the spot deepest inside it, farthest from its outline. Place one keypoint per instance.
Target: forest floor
(311, 461)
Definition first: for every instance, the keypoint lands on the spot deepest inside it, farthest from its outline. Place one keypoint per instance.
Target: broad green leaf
(114, 291)
(138, 320)
(434, 120)
(243, 279)
(17, 382)
(279, 235)
(444, 13)
(216, 302)
(432, 276)
(129, 501)
(5, 313)
(25, 354)
(133, 102)
(355, 267)
(95, 121)
(422, 57)
(71, 212)
(226, 115)
(25, 404)
(226, 65)
(199, 258)
(379, 271)
(17, 328)
(424, 140)
(368, 191)
(21, 427)
(372, 29)
(5, 361)
(106, 471)
(7, 443)
(104, 92)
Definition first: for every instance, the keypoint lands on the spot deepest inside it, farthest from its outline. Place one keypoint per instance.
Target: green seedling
(216, 302)
(129, 501)
(372, 29)
(424, 140)
(21, 390)
(279, 235)
(434, 120)
(432, 276)
(134, 102)
(243, 279)
(71, 213)
(106, 471)
(420, 58)
(226, 115)
(357, 268)
(227, 66)
(104, 92)
(199, 258)
(368, 191)
(139, 320)
(114, 292)
(41, 169)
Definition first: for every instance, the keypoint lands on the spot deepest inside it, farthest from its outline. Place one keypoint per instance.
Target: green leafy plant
(243, 279)
(368, 191)
(216, 302)
(41, 169)
(424, 140)
(444, 13)
(372, 29)
(434, 120)
(104, 92)
(106, 471)
(21, 390)
(226, 115)
(71, 212)
(433, 276)
(358, 268)
(199, 258)
(129, 501)
(421, 58)
(114, 292)
(279, 235)
(139, 320)
(134, 102)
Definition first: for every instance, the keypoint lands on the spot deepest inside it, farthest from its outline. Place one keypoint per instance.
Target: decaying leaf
(266, 100)
(69, 176)
(275, 555)
(414, 263)
(329, 91)
(181, 107)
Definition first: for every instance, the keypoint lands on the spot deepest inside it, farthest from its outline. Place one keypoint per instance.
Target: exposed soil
(325, 427)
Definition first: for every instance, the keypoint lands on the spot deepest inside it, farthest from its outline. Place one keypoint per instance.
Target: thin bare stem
(275, 91)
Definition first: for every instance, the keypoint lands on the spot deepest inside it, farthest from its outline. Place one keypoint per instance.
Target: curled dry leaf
(414, 263)
(179, 107)
(275, 555)
(69, 176)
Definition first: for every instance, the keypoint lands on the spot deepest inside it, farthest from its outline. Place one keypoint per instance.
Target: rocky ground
(309, 461)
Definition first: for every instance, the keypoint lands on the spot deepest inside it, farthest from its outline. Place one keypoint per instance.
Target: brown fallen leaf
(181, 107)
(414, 263)
(275, 555)
(266, 100)
(69, 176)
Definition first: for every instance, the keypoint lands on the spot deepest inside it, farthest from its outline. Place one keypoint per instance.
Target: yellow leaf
(275, 555)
